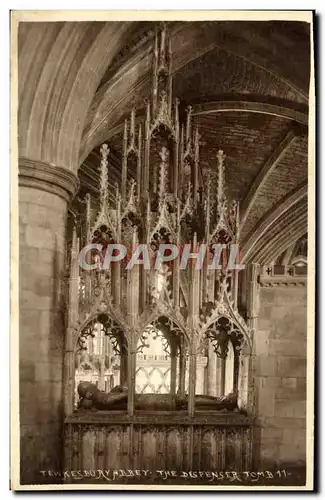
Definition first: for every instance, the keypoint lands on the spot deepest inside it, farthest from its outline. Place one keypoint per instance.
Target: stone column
(182, 371)
(173, 370)
(211, 371)
(44, 192)
(247, 358)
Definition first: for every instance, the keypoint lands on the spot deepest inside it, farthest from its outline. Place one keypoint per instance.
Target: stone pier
(44, 192)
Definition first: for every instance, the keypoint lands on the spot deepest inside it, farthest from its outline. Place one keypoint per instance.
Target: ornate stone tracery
(171, 201)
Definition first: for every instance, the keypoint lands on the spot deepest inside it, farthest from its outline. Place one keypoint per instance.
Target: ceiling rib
(280, 236)
(251, 106)
(271, 217)
(225, 106)
(284, 239)
(264, 173)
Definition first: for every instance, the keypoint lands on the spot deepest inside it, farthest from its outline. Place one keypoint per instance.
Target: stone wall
(280, 376)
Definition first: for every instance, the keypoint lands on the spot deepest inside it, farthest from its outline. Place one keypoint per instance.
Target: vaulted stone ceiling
(248, 84)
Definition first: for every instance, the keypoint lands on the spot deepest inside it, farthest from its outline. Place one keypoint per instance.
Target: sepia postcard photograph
(162, 250)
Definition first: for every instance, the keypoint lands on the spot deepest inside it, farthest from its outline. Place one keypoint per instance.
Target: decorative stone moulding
(280, 275)
(266, 281)
(41, 175)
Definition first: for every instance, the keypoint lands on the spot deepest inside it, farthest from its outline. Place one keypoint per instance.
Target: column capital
(41, 175)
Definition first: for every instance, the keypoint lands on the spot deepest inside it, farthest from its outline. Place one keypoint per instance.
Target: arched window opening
(153, 364)
(101, 356)
(223, 358)
(161, 360)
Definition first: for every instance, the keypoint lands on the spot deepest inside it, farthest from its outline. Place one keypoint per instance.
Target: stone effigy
(91, 398)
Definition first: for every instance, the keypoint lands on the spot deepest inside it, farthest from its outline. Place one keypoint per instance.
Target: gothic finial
(182, 149)
(104, 151)
(88, 214)
(134, 238)
(162, 46)
(220, 186)
(169, 48)
(154, 79)
(163, 172)
(196, 144)
(124, 159)
(125, 134)
(131, 200)
(139, 140)
(74, 238)
(117, 192)
(87, 201)
(194, 241)
(148, 213)
(156, 45)
(188, 123)
(177, 118)
(132, 126)
(221, 157)
(147, 126)
(237, 219)
(208, 206)
(139, 163)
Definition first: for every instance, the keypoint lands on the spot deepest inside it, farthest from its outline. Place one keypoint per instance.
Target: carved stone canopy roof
(248, 83)
(249, 98)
